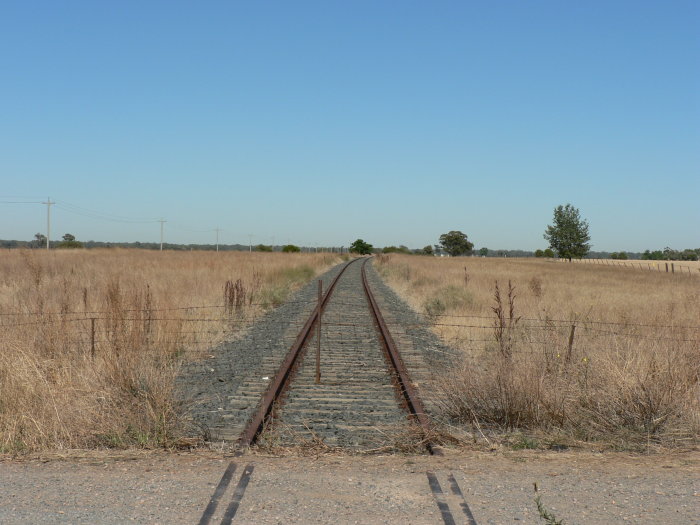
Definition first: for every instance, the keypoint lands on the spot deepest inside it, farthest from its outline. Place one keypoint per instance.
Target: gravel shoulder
(156, 487)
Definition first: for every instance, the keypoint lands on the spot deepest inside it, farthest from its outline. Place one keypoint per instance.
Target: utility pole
(161, 221)
(250, 242)
(217, 238)
(48, 220)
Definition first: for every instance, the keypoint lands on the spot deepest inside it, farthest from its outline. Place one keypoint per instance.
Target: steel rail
(408, 390)
(281, 378)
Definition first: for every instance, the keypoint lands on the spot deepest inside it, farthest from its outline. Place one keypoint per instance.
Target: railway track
(365, 398)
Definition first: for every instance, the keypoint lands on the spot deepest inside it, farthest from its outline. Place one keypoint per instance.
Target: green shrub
(434, 306)
(69, 244)
(448, 298)
(298, 274)
(274, 296)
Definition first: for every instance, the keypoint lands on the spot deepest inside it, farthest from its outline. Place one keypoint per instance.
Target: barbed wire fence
(672, 267)
(197, 328)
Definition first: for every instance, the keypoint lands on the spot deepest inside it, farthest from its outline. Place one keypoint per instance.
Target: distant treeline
(141, 245)
(666, 254)
(58, 244)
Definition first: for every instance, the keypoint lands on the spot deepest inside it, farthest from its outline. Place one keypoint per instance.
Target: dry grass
(54, 393)
(629, 378)
(683, 267)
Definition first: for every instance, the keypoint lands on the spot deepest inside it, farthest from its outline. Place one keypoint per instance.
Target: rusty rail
(408, 391)
(279, 382)
(283, 375)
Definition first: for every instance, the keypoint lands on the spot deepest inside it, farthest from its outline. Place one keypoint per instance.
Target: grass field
(54, 393)
(567, 352)
(683, 267)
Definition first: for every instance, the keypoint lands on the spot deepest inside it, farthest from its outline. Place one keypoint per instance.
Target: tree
(539, 253)
(484, 252)
(361, 247)
(394, 249)
(263, 248)
(549, 253)
(39, 240)
(568, 236)
(290, 248)
(670, 254)
(456, 243)
(69, 242)
(428, 250)
(689, 255)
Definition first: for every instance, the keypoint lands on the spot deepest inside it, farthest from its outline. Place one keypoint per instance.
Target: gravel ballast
(356, 406)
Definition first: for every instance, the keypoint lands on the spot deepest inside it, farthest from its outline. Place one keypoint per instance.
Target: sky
(318, 123)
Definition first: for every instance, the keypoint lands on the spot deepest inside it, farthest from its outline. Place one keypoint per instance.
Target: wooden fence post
(92, 337)
(571, 342)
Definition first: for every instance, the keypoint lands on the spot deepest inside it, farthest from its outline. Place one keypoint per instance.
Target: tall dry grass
(151, 311)
(566, 351)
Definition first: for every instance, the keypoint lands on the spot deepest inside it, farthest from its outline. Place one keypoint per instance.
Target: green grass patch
(447, 299)
(284, 282)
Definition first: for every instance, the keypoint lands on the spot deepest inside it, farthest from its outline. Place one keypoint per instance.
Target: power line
(101, 215)
(112, 217)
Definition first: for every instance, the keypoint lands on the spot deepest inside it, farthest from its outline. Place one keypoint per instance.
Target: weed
(536, 286)
(546, 515)
(505, 323)
(234, 297)
(523, 442)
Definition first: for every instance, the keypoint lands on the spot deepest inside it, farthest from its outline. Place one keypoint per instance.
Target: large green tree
(456, 243)
(568, 235)
(361, 247)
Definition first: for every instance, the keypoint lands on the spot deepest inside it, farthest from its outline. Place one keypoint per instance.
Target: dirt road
(580, 487)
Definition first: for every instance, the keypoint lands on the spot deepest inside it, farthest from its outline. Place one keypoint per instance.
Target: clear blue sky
(321, 122)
